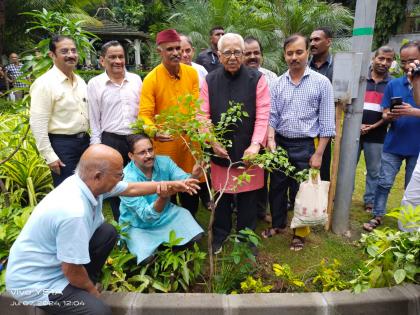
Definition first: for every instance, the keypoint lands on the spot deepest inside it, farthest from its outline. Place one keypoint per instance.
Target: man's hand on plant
(271, 144)
(162, 137)
(251, 151)
(219, 150)
(56, 165)
(315, 160)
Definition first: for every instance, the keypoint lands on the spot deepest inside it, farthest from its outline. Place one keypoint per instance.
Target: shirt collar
(306, 73)
(61, 76)
(85, 190)
(108, 79)
(327, 61)
(170, 75)
(386, 78)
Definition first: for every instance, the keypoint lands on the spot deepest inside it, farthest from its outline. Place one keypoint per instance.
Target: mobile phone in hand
(395, 101)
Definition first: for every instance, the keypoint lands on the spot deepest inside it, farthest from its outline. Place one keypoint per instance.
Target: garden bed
(401, 300)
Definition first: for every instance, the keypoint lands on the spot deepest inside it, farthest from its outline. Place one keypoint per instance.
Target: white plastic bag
(12, 96)
(311, 203)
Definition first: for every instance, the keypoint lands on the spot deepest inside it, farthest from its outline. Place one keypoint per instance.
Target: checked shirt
(305, 109)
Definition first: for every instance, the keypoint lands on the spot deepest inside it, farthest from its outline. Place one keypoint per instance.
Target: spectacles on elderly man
(228, 53)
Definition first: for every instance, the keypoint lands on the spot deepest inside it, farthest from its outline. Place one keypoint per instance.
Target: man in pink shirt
(239, 84)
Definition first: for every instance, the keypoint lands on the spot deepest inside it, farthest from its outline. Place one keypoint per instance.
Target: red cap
(167, 36)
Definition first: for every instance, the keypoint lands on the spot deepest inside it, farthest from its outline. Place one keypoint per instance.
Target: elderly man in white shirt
(113, 98)
(59, 115)
(187, 52)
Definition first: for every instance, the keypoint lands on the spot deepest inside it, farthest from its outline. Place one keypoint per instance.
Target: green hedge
(6, 106)
(89, 74)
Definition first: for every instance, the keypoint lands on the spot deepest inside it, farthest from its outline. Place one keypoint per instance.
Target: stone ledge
(401, 300)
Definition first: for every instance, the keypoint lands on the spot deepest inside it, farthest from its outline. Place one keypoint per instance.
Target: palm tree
(16, 39)
(269, 21)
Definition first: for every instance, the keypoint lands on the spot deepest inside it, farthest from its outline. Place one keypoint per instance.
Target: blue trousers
(372, 152)
(390, 166)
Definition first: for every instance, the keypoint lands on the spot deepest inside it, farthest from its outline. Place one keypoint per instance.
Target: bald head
(98, 158)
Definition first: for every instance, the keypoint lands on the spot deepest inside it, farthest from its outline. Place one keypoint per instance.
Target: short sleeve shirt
(58, 230)
(402, 137)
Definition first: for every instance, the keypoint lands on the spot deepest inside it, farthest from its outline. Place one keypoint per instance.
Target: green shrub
(236, 261)
(6, 106)
(172, 270)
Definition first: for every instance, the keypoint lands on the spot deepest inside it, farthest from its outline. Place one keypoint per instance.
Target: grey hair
(86, 168)
(187, 38)
(230, 36)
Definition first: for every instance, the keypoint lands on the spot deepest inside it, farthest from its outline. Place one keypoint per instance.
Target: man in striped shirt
(302, 108)
(373, 129)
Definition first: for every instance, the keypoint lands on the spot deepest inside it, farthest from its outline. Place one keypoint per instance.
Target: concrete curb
(399, 300)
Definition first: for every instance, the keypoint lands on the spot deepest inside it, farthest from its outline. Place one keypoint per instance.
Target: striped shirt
(372, 110)
(305, 109)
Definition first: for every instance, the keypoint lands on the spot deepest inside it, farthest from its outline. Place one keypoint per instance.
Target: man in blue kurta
(149, 219)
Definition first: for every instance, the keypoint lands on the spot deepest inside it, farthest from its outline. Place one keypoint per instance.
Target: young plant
(288, 279)
(186, 121)
(250, 285)
(236, 261)
(329, 277)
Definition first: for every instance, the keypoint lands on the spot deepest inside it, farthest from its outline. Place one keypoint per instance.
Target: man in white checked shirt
(113, 99)
(302, 108)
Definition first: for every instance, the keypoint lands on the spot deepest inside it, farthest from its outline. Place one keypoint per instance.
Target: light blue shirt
(58, 230)
(305, 109)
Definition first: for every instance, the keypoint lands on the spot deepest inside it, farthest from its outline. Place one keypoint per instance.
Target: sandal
(372, 224)
(270, 232)
(297, 243)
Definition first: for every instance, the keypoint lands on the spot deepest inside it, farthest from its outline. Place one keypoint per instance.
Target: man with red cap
(161, 89)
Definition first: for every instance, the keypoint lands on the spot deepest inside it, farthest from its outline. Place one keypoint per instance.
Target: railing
(411, 25)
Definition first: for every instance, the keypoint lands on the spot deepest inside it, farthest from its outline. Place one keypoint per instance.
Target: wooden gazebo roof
(114, 30)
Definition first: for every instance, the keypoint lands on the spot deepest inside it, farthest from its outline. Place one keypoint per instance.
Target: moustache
(175, 58)
(253, 60)
(149, 159)
(70, 59)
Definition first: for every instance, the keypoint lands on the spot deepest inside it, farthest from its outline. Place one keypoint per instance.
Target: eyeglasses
(144, 152)
(66, 51)
(228, 53)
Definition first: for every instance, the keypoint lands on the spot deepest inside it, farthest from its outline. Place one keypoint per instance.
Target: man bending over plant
(56, 260)
(150, 218)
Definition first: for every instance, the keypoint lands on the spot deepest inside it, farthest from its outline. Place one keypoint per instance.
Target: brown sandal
(372, 224)
(270, 232)
(297, 243)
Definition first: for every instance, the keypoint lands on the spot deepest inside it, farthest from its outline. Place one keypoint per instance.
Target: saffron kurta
(219, 173)
(161, 90)
(147, 228)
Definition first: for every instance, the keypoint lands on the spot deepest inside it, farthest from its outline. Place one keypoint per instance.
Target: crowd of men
(56, 260)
